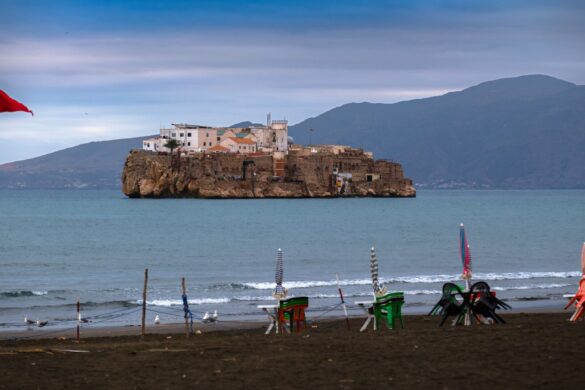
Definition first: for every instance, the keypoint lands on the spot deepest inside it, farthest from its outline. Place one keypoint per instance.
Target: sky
(98, 70)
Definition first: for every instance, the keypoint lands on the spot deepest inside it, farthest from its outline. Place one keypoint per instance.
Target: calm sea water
(59, 245)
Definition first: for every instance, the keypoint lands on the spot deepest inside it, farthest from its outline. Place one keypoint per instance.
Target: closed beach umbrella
(279, 292)
(465, 256)
(583, 260)
(378, 290)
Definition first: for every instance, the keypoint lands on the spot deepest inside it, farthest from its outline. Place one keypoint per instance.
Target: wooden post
(342, 301)
(78, 319)
(144, 303)
(184, 290)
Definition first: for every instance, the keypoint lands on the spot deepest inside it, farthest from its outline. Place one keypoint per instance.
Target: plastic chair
(292, 310)
(389, 307)
(484, 302)
(453, 302)
(579, 301)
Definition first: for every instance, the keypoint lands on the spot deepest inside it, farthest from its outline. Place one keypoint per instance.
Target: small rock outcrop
(302, 173)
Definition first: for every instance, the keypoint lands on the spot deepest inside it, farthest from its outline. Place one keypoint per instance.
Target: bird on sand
(40, 323)
(210, 318)
(28, 322)
(157, 320)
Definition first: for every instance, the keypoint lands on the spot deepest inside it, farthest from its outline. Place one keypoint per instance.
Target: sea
(57, 247)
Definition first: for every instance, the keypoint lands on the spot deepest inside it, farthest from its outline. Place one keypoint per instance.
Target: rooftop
(246, 141)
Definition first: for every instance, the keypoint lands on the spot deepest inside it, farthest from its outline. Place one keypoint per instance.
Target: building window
(210, 144)
(174, 134)
(207, 134)
(188, 143)
(182, 134)
(204, 144)
(188, 134)
(218, 138)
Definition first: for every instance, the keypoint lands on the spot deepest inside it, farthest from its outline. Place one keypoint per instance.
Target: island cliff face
(302, 173)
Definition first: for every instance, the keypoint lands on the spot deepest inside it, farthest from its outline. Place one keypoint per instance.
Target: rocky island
(303, 172)
(259, 162)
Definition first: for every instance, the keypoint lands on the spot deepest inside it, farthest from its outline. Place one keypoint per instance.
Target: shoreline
(533, 350)
(252, 322)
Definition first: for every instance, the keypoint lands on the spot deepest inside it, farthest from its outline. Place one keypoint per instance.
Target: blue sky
(96, 70)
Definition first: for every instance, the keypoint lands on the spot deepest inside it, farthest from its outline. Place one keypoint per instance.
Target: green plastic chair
(389, 307)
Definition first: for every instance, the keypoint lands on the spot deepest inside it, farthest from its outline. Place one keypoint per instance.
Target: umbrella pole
(468, 309)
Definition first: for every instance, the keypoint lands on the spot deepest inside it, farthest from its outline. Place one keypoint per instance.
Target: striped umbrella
(279, 292)
(465, 256)
(583, 260)
(378, 289)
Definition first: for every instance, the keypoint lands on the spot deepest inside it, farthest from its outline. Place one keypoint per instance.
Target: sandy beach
(537, 350)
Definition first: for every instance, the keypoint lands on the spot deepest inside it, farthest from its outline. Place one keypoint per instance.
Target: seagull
(40, 324)
(157, 320)
(28, 322)
(210, 318)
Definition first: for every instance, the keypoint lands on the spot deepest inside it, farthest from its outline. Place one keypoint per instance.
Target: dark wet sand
(540, 350)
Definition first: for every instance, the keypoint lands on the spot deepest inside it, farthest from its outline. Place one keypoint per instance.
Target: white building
(196, 138)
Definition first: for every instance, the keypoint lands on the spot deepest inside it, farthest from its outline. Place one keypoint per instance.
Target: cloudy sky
(96, 70)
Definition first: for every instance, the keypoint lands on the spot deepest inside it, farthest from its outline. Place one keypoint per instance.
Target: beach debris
(379, 290)
(71, 350)
(166, 350)
(40, 323)
(157, 320)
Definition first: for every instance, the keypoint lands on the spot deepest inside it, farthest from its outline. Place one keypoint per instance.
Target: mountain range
(521, 132)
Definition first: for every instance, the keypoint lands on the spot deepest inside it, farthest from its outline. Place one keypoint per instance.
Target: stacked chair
(292, 311)
(479, 302)
(484, 303)
(389, 309)
(579, 301)
(452, 303)
(579, 298)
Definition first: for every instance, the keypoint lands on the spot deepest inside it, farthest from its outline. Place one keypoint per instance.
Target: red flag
(8, 104)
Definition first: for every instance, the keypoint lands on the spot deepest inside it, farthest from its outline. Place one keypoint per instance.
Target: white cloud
(129, 84)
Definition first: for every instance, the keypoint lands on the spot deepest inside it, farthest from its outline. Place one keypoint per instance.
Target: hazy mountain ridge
(91, 165)
(522, 132)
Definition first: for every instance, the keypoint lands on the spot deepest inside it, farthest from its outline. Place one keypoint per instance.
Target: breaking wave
(442, 278)
(22, 293)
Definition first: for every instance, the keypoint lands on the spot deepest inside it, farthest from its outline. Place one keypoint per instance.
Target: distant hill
(522, 132)
(246, 124)
(91, 165)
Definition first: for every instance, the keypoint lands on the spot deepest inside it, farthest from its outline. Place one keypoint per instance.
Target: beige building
(239, 145)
